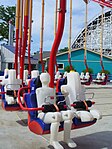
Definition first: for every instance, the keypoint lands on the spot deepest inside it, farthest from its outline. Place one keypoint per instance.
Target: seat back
(11, 82)
(98, 76)
(31, 102)
(34, 84)
(74, 87)
(30, 98)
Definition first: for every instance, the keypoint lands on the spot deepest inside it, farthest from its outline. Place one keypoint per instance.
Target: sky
(77, 23)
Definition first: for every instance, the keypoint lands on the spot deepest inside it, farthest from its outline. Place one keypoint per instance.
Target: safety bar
(2, 93)
(90, 93)
(11, 84)
(32, 109)
(21, 105)
(53, 97)
(35, 109)
(84, 94)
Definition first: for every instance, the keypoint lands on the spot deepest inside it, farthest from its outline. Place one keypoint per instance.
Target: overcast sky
(77, 25)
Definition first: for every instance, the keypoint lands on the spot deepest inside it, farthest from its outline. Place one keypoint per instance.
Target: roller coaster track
(107, 3)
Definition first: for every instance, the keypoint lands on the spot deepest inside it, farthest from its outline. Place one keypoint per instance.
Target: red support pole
(29, 37)
(60, 28)
(21, 30)
(17, 37)
(24, 38)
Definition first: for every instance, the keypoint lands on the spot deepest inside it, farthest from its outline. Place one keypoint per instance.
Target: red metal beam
(60, 28)
(104, 3)
(29, 36)
(26, 14)
(17, 36)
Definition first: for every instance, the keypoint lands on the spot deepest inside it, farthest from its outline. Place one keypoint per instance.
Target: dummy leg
(10, 100)
(85, 116)
(54, 118)
(67, 116)
(67, 131)
(96, 114)
(54, 134)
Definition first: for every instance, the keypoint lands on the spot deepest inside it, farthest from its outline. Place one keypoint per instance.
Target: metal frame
(93, 35)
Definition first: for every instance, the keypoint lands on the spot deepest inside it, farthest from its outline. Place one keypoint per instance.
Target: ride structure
(29, 36)
(17, 35)
(44, 96)
(60, 27)
(69, 39)
(41, 36)
(102, 80)
(26, 14)
(8, 91)
(87, 79)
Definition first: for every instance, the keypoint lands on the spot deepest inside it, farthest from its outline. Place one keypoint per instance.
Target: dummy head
(34, 74)
(45, 79)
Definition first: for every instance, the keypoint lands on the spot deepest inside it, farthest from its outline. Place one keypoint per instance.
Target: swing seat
(37, 126)
(77, 123)
(6, 106)
(86, 80)
(10, 84)
(101, 81)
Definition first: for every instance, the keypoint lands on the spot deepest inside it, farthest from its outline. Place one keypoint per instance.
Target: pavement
(14, 133)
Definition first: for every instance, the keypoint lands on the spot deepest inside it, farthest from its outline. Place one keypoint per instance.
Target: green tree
(6, 14)
(67, 68)
(63, 50)
(90, 70)
(105, 71)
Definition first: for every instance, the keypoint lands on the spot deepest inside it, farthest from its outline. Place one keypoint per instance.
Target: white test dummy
(87, 76)
(82, 75)
(34, 74)
(103, 76)
(54, 117)
(25, 76)
(74, 88)
(11, 83)
(98, 78)
(57, 76)
(2, 78)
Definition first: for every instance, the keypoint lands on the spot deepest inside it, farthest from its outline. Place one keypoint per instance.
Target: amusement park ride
(49, 110)
(87, 79)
